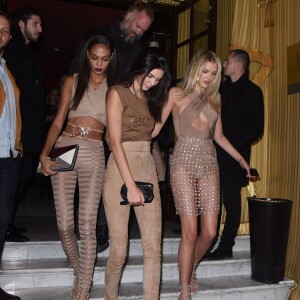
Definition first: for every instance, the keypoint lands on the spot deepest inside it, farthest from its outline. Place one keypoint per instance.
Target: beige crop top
(92, 104)
(138, 124)
(196, 120)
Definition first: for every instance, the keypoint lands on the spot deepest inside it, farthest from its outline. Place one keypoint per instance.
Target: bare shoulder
(69, 80)
(175, 92)
(67, 89)
(68, 83)
(178, 98)
(112, 93)
(113, 97)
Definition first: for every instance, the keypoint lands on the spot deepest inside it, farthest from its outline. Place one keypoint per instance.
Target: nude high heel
(194, 283)
(185, 293)
(75, 289)
(84, 290)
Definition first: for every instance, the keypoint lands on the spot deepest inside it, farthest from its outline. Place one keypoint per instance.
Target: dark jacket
(242, 115)
(126, 52)
(28, 74)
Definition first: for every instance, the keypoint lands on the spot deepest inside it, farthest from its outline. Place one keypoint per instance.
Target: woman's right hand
(46, 164)
(135, 196)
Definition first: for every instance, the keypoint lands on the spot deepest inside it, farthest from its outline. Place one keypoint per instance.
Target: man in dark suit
(126, 37)
(242, 115)
(28, 74)
(10, 142)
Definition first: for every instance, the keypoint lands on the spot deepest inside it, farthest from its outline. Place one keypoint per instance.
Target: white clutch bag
(65, 156)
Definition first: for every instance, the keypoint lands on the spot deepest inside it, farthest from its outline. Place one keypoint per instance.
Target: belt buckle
(73, 130)
(85, 132)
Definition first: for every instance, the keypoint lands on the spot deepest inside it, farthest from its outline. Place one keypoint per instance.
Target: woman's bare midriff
(87, 122)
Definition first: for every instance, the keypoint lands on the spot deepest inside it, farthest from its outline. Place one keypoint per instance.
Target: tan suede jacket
(18, 143)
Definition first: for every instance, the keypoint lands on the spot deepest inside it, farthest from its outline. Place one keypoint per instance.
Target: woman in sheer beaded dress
(83, 100)
(194, 169)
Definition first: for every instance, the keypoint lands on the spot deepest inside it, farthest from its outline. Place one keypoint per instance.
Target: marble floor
(220, 288)
(50, 278)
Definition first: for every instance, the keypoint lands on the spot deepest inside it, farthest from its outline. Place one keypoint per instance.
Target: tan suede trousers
(148, 216)
(159, 161)
(89, 170)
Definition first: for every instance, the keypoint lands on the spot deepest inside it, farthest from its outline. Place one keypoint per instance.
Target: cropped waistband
(69, 140)
(195, 140)
(137, 146)
(82, 132)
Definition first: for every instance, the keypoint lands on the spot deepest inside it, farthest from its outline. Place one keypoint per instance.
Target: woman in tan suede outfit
(83, 99)
(132, 110)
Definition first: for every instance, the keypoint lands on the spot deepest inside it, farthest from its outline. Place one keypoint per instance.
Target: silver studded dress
(194, 167)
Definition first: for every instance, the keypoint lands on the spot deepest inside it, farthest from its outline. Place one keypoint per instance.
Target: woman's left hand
(247, 167)
(135, 196)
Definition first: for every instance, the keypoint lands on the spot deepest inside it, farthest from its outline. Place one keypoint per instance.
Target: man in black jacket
(243, 123)
(127, 39)
(28, 74)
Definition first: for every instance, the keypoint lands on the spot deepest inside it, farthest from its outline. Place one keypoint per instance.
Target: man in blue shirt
(10, 144)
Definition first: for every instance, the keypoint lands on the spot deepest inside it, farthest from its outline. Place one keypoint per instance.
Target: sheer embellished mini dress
(194, 167)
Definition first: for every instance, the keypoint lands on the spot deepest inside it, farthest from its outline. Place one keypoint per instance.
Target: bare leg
(195, 186)
(208, 232)
(186, 250)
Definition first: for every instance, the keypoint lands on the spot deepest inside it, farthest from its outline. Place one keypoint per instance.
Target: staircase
(40, 271)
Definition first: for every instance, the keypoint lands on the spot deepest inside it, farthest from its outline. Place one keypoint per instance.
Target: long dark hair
(83, 78)
(149, 59)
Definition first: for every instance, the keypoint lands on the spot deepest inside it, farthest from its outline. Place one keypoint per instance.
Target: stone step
(35, 273)
(53, 249)
(214, 288)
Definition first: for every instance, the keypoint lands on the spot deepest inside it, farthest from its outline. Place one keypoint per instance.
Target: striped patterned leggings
(89, 171)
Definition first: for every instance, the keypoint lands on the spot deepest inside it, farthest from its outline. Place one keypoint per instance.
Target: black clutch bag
(145, 187)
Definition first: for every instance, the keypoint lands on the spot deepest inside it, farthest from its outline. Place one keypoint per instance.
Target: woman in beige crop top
(194, 168)
(132, 110)
(83, 96)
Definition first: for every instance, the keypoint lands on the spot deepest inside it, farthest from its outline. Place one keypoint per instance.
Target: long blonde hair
(193, 72)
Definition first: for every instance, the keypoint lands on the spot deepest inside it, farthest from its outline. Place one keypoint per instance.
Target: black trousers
(29, 164)
(9, 179)
(231, 196)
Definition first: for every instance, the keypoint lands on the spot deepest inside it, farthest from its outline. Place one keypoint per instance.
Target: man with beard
(28, 74)
(126, 37)
(10, 143)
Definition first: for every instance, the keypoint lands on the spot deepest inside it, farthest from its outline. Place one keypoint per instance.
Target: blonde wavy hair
(193, 72)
